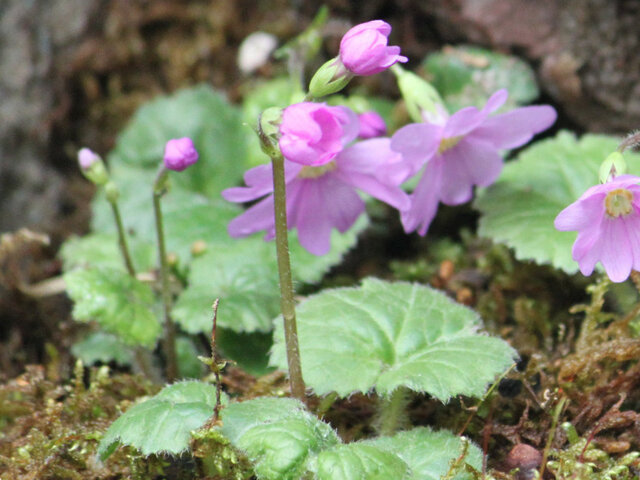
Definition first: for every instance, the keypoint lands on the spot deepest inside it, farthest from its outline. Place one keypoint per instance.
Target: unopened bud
(112, 192)
(92, 166)
(198, 248)
(612, 166)
(330, 78)
(418, 94)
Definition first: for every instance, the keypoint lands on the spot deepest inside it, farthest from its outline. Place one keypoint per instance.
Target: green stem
(169, 340)
(393, 411)
(287, 302)
(122, 239)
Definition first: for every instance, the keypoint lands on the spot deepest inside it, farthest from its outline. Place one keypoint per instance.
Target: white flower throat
(618, 202)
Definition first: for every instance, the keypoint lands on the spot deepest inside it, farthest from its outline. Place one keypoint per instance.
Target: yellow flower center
(315, 172)
(448, 143)
(618, 202)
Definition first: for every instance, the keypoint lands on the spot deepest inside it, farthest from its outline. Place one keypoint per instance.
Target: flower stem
(287, 302)
(169, 340)
(393, 411)
(122, 239)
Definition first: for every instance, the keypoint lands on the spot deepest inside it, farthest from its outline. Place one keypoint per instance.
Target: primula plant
(173, 282)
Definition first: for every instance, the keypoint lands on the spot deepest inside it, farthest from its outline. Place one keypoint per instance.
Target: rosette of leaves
(286, 442)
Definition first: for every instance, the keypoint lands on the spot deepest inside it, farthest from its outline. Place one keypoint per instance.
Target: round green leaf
(102, 347)
(359, 460)
(277, 434)
(386, 335)
(519, 209)
(430, 454)
(163, 423)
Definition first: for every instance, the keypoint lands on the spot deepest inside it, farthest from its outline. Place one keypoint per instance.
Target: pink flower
(461, 151)
(371, 125)
(364, 50)
(179, 154)
(86, 158)
(324, 197)
(607, 218)
(314, 133)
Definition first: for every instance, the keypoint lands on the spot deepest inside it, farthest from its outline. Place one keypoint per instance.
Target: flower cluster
(607, 218)
(325, 165)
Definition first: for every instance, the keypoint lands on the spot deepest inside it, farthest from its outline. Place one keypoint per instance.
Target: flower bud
(364, 50)
(371, 125)
(612, 166)
(92, 166)
(330, 78)
(314, 133)
(418, 94)
(179, 153)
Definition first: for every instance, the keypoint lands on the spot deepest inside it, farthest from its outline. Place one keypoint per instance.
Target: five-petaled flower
(364, 49)
(323, 197)
(462, 151)
(607, 218)
(313, 134)
(179, 153)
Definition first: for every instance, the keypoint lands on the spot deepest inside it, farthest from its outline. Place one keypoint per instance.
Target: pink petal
(517, 127)
(582, 213)
(463, 121)
(393, 195)
(424, 200)
(312, 221)
(632, 226)
(341, 201)
(467, 164)
(417, 142)
(616, 252)
(256, 218)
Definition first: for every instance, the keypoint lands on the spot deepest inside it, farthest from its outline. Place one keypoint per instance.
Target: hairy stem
(169, 340)
(122, 239)
(287, 302)
(393, 411)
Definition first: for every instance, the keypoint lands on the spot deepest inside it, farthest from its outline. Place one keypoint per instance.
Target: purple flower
(179, 154)
(371, 125)
(461, 151)
(323, 197)
(364, 50)
(314, 133)
(607, 218)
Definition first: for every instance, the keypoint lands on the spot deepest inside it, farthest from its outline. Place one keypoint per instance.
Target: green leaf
(102, 347)
(430, 454)
(163, 423)
(360, 461)
(519, 209)
(249, 350)
(121, 304)
(242, 277)
(102, 250)
(386, 335)
(189, 366)
(466, 76)
(207, 118)
(277, 434)
(243, 273)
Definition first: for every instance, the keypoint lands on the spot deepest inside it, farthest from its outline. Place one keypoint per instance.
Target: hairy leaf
(163, 423)
(386, 335)
(121, 304)
(102, 347)
(360, 461)
(277, 434)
